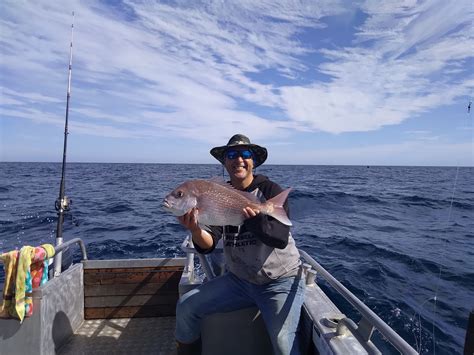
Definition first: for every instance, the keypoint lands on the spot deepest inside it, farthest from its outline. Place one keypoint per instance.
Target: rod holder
(311, 277)
(306, 267)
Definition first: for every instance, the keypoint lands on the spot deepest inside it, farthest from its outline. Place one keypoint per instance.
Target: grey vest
(250, 259)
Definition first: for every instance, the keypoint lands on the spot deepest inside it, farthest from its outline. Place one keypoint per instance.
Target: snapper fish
(219, 204)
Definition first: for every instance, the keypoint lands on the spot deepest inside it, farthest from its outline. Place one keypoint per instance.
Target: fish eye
(179, 193)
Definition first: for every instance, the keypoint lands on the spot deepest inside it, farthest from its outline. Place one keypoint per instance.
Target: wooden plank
(131, 277)
(127, 263)
(130, 312)
(133, 269)
(127, 289)
(131, 300)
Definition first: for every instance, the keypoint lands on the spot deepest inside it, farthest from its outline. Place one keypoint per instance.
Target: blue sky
(316, 82)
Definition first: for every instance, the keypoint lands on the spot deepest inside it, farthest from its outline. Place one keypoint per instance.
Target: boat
(128, 306)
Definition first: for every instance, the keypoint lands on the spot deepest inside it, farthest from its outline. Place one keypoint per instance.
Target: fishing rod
(62, 204)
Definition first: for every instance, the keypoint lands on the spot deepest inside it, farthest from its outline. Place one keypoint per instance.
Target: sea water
(400, 238)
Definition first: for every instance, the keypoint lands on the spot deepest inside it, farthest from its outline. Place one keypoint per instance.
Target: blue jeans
(279, 302)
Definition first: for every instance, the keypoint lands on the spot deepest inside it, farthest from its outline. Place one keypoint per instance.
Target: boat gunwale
(134, 263)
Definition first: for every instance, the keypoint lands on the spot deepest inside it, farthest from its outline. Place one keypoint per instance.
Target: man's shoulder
(261, 181)
(266, 186)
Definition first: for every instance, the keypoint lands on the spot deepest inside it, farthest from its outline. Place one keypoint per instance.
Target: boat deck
(123, 336)
(128, 307)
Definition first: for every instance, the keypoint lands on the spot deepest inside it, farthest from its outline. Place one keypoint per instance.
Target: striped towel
(24, 271)
(10, 260)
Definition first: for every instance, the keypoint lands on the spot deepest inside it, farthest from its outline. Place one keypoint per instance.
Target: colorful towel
(10, 260)
(27, 254)
(28, 272)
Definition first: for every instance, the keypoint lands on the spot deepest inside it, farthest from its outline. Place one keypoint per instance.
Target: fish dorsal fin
(219, 180)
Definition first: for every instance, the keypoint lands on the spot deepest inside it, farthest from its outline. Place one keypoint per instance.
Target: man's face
(239, 162)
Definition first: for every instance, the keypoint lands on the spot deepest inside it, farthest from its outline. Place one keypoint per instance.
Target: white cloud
(422, 135)
(32, 114)
(9, 101)
(187, 62)
(9, 96)
(197, 70)
(411, 65)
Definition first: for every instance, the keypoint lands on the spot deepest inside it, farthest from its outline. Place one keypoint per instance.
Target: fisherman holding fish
(262, 261)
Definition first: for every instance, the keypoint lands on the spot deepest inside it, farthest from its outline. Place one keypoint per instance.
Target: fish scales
(220, 204)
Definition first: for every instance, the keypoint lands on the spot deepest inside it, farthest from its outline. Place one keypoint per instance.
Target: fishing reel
(63, 205)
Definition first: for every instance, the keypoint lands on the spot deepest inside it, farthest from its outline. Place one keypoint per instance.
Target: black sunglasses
(234, 154)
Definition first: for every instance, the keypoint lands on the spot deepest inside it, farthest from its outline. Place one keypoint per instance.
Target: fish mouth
(166, 204)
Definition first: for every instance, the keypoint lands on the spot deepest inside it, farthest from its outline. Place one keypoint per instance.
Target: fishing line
(438, 281)
(441, 265)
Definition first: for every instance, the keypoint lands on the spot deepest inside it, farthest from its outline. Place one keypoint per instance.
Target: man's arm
(204, 242)
(268, 229)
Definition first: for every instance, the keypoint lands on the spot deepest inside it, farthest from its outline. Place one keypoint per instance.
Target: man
(262, 261)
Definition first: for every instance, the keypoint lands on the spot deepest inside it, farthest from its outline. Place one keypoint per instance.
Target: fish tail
(276, 209)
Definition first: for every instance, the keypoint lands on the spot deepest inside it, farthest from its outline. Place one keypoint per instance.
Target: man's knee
(183, 308)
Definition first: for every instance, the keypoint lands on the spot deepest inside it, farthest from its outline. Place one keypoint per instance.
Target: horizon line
(217, 164)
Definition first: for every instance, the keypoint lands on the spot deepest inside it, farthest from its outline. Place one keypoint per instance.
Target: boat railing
(188, 247)
(67, 244)
(364, 329)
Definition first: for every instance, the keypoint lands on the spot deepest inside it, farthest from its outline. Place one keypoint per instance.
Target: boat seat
(235, 333)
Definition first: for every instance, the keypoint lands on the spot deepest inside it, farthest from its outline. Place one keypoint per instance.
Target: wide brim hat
(239, 140)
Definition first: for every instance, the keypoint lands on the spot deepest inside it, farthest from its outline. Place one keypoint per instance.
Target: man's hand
(189, 220)
(249, 212)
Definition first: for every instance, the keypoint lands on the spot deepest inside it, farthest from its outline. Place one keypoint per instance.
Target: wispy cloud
(187, 64)
(200, 69)
(26, 97)
(400, 65)
(422, 135)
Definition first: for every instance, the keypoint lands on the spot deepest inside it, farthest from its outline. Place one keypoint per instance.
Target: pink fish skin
(219, 204)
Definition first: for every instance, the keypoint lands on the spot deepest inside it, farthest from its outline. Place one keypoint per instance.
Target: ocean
(400, 238)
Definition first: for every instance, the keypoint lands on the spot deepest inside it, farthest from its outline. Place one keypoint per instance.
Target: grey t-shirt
(262, 249)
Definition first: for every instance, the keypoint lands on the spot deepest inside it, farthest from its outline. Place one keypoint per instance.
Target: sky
(316, 82)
